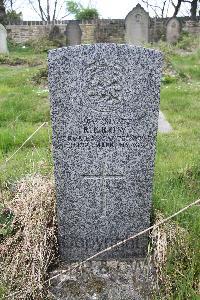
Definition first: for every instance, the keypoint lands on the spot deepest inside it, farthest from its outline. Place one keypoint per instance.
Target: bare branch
(65, 16)
(55, 7)
(33, 7)
(153, 7)
(167, 10)
(163, 8)
(42, 11)
(48, 11)
(177, 8)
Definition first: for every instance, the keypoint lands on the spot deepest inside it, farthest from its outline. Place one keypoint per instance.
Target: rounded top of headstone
(173, 19)
(73, 23)
(103, 68)
(73, 26)
(137, 8)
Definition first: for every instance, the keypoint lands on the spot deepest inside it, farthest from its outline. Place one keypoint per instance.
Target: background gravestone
(3, 39)
(56, 36)
(173, 30)
(73, 34)
(104, 106)
(137, 26)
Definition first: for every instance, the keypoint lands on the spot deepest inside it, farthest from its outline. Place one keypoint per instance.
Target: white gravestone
(173, 30)
(3, 40)
(137, 26)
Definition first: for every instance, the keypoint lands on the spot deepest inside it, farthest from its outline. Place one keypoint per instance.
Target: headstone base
(106, 280)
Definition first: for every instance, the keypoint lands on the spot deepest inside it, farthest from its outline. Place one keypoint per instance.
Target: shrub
(13, 16)
(11, 43)
(40, 45)
(40, 76)
(187, 42)
(15, 60)
(87, 14)
(166, 79)
(80, 12)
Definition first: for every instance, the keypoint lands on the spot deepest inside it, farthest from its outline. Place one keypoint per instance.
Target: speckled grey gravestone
(104, 107)
(173, 30)
(137, 26)
(3, 40)
(73, 33)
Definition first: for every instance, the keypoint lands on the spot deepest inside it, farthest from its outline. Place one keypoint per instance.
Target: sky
(114, 9)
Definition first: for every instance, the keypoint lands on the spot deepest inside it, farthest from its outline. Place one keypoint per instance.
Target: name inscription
(108, 135)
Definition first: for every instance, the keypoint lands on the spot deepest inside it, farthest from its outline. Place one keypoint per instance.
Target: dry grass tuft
(31, 249)
(159, 241)
(171, 250)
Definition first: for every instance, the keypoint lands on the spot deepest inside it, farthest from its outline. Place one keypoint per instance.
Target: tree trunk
(2, 13)
(193, 9)
(177, 7)
(41, 11)
(48, 12)
(54, 13)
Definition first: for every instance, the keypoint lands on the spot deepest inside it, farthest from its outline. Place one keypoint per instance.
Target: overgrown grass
(177, 172)
(188, 64)
(24, 106)
(21, 56)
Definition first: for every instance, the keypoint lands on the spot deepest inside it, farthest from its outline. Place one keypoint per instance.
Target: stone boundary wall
(95, 31)
(24, 33)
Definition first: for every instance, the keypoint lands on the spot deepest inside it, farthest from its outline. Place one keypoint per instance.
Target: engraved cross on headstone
(103, 176)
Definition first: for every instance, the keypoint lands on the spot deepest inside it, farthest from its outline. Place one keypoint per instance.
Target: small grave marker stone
(73, 33)
(173, 30)
(104, 107)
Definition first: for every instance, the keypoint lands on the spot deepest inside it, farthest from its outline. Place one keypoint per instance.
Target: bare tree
(10, 4)
(160, 8)
(55, 6)
(193, 9)
(46, 12)
(176, 7)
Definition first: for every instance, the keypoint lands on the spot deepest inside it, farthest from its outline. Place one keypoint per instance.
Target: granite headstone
(3, 40)
(73, 33)
(104, 107)
(137, 26)
(173, 30)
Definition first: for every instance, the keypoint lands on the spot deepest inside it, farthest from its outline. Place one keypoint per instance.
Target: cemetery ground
(24, 106)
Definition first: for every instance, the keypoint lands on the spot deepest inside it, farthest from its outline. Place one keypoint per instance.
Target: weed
(40, 76)
(14, 61)
(176, 262)
(41, 45)
(30, 250)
